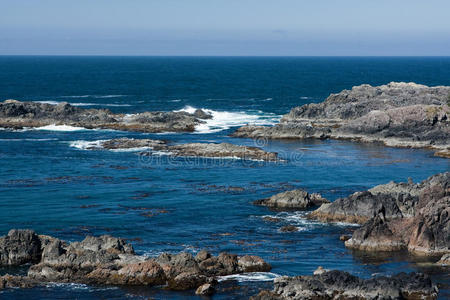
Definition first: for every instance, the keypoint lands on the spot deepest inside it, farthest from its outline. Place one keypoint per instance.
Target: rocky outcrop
(342, 285)
(107, 260)
(397, 114)
(19, 247)
(213, 150)
(397, 216)
(294, 199)
(16, 114)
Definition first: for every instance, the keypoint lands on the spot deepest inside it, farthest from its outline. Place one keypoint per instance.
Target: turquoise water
(48, 182)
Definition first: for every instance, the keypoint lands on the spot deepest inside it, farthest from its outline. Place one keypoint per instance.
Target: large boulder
(294, 199)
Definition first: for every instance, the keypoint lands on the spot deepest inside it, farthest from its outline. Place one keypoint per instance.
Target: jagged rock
(397, 114)
(294, 199)
(111, 261)
(20, 246)
(16, 114)
(342, 285)
(392, 200)
(397, 216)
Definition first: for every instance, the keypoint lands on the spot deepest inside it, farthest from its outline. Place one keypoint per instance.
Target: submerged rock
(16, 114)
(112, 261)
(294, 199)
(397, 216)
(342, 285)
(397, 114)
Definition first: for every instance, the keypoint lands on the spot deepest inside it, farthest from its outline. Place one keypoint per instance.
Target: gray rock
(20, 246)
(16, 114)
(342, 285)
(397, 114)
(213, 150)
(294, 199)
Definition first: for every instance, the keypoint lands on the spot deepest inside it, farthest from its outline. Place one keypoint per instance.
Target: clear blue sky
(226, 27)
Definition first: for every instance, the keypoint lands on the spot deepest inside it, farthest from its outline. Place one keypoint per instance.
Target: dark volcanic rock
(294, 199)
(342, 285)
(20, 246)
(16, 114)
(397, 114)
(110, 260)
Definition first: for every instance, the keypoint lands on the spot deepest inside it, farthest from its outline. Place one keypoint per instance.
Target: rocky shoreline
(211, 150)
(397, 216)
(397, 114)
(334, 284)
(107, 260)
(17, 115)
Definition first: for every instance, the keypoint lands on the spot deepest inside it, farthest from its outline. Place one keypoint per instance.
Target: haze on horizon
(233, 27)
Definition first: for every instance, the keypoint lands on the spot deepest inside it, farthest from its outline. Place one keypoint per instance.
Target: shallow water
(171, 204)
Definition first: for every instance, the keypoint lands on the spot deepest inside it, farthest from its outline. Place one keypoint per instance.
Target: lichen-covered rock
(342, 285)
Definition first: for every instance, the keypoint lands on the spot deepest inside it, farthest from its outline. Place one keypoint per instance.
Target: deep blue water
(49, 183)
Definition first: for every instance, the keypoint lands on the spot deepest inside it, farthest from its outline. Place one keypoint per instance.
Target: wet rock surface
(213, 150)
(107, 260)
(342, 285)
(17, 114)
(397, 114)
(294, 199)
(397, 216)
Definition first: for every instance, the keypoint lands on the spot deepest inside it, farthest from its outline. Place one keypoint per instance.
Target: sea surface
(49, 181)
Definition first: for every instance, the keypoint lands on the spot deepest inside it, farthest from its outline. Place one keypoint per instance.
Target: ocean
(49, 181)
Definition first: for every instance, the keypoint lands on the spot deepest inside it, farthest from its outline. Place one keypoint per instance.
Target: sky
(225, 27)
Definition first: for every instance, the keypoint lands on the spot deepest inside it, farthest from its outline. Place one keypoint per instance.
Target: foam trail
(223, 120)
(254, 276)
(54, 127)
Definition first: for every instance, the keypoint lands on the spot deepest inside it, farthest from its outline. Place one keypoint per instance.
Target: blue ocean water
(50, 183)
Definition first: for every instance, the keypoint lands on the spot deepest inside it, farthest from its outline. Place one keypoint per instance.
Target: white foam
(85, 145)
(85, 103)
(54, 127)
(254, 276)
(223, 120)
(98, 145)
(94, 96)
(298, 218)
(48, 102)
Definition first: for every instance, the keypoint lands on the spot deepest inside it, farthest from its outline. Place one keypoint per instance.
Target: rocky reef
(342, 285)
(397, 114)
(397, 216)
(107, 260)
(190, 149)
(16, 114)
(294, 199)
